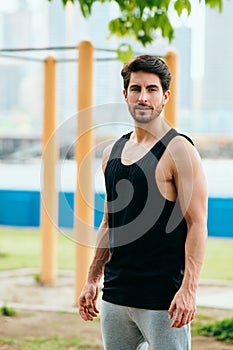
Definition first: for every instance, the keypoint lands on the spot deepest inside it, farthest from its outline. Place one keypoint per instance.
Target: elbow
(198, 225)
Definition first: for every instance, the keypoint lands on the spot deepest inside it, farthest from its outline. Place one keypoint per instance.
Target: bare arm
(102, 252)
(192, 192)
(89, 295)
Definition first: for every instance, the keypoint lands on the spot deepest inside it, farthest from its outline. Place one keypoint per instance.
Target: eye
(153, 89)
(134, 88)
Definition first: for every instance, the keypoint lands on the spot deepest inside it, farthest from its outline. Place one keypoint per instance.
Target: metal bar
(49, 200)
(84, 196)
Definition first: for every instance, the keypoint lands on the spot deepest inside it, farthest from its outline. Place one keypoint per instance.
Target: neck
(153, 130)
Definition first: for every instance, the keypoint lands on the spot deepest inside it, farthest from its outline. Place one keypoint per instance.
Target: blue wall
(220, 217)
(19, 208)
(22, 208)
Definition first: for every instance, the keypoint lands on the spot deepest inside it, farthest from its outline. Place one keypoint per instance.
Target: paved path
(19, 290)
(218, 294)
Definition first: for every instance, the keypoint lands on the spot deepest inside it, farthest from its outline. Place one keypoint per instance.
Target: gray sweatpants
(128, 328)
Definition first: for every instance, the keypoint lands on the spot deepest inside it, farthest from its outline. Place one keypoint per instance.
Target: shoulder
(113, 149)
(108, 151)
(106, 154)
(183, 154)
(182, 144)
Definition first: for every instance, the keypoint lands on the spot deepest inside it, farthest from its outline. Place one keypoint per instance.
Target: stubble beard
(145, 116)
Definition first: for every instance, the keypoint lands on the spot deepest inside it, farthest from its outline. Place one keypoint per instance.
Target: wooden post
(84, 196)
(48, 193)
(170, 110)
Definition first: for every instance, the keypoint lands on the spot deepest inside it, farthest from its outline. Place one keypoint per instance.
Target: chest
(159, 164)
(136, 153)
(132, 152)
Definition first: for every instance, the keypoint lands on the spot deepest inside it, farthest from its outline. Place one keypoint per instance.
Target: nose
(142, 96)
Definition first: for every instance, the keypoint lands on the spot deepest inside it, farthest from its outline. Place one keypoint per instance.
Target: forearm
(184, 301)
(88, 298)
(102, 254)
(194, 255)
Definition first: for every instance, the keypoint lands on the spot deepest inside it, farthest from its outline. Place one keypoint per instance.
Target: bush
(221, 330)
(7, 311)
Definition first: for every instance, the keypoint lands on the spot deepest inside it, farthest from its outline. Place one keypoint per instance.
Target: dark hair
(150, 64)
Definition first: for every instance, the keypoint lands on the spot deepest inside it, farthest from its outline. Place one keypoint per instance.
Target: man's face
(145, 97)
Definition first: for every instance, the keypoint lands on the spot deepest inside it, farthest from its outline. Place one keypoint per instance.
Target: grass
(221, 330)
(55, 343)
(21, 248)
(218, 259)
(7, 311)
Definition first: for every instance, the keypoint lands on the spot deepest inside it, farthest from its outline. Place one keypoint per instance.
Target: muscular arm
(192, 192)
(88, 298)
(102, 252)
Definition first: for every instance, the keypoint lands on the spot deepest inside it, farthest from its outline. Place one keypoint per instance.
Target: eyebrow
(147, 87)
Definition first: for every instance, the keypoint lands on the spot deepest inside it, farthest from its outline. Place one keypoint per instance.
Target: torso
(145, 220)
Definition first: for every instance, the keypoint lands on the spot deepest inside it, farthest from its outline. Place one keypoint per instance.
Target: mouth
(143, 108)
(143, 111)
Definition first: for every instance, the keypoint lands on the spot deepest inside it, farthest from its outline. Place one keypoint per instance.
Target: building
(205, 96)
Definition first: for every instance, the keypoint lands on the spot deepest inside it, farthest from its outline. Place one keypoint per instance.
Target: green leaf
(178, 6)
(125, 52)
(165, 26)
(141, 6)
(140, 19)
(181, 5)
(118, 27)
(215, 3)
(188, 7)
(85, 6)
(137, 25)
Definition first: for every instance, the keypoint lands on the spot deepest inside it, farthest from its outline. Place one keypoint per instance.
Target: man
(150, 245)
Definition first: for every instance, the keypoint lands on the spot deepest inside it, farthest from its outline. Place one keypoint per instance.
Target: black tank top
(147, 232)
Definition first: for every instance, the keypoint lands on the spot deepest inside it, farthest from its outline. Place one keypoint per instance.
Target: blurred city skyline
(205, 65)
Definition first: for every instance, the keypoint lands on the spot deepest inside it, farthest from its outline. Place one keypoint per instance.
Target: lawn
(20, 248)
(54, 343)
(218, 259)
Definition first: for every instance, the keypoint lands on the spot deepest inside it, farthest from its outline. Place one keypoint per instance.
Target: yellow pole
(48, 192)
(170, 110)
(84, 146)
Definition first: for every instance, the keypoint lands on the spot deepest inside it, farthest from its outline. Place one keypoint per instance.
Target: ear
(166, 96)
(125, 94)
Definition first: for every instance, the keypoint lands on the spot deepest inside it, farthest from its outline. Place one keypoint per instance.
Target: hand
(87, 302)
(184, 303)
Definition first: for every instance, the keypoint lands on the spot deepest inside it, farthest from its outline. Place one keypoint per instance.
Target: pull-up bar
(49, 200)
(84, 198)
(7, 53)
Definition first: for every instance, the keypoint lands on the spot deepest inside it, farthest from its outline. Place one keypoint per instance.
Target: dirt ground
(19, 290)
(70, 325)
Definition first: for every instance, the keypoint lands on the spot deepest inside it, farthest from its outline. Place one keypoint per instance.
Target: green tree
(141, 19)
